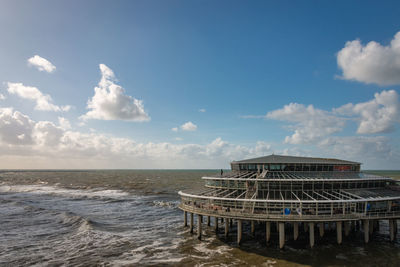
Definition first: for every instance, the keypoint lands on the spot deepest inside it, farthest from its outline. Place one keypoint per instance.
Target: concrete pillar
(216, 224)
(391, 229)
(305, 227)
(295, 230)
(226, 227)
(199, 222)
(253, 229)
(239, 231)
(208, 220)
(321, 229)
(281, 234)
(185, 218)
(366, 230)
(311, 224)
(395, 226)
(371, 227)
(277, 226)
(267, 231)
(191, 223)
(346, 228)
(339, 232)
(231, 222)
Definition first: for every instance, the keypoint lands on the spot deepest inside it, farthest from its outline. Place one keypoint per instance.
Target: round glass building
(295, 190)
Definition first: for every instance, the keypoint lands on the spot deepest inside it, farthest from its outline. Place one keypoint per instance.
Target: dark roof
(291, 159)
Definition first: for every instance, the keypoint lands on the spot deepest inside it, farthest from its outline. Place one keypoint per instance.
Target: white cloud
(64, 123)
(376, 116)
(43, 101)
(175, 129)
(49, 145)
(189, 126)
(202, 110)
(310, 124)
(2, 97)
(111, 103)
(374, 151)
(15, 127)
(41, 64)
(372, 63)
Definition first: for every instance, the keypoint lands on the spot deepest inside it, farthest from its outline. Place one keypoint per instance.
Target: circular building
(296, 190)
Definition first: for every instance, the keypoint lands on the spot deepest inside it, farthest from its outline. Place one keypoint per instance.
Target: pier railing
(294, 211)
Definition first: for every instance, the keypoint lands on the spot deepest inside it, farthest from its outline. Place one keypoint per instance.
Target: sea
(131, 218)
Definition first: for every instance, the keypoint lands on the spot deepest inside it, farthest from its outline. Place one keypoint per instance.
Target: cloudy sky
(197, 84)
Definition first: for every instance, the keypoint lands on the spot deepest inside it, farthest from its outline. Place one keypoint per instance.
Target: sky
(196, 84)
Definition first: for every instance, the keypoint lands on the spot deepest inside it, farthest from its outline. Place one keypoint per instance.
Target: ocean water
(130, 217)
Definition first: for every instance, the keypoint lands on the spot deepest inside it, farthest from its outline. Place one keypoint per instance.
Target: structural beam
(311, 224)
(191, 223)
(253, 229)
(339, 232)
(366, 230)
(216, 224)
(199, 222)
(208, 220)
(295, 230)
(239, 231)
(185, 218)
(281, 234)
(268, 231)
(321, 227)
(226, 227)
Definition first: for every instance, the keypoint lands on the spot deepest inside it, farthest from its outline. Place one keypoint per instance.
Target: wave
(166, 204)
(55, 190)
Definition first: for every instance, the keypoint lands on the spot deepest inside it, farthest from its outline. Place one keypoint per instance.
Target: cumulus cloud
(372, 150)
(111, 103)
(202, 110)
(175, 129)
(379, 115)
(41, 64)
(371, 63)
(43, 101)
(2, 97)
(49, 143)
(15, 127)
(64, 123)
(310, 124)
(189, 126)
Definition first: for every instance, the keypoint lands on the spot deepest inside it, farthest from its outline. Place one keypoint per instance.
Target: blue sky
(196, 84)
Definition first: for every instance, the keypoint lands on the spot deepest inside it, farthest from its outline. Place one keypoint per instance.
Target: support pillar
(253, 229)
(305, 227)
(366, 230)
(226, 227)
(295, 230)
(231, 222)
(199, 222)
(185, 218)
(281, 234)
(321, 229)
(391, 229)
(191, 223)
(395, 227)
(311, 224)
(339, 232)
(267, 231)
(346, 228)
(216, 224)
(208, 220)
(353, 226)
(371, 227)
(239, 231)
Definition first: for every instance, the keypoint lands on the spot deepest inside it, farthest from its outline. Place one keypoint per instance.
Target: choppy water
(131, 218)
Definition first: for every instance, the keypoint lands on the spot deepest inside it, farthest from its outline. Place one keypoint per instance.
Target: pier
(295, 192)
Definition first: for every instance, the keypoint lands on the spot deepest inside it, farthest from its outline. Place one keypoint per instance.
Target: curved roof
(275, 159)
